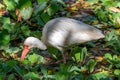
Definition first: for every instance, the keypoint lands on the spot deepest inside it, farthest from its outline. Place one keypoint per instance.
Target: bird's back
(66, 31)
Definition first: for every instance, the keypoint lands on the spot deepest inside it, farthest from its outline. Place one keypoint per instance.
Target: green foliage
(113, 60)
(31, 75)
(106, 11)
(79, 55)
(22, 18)
(10, 4)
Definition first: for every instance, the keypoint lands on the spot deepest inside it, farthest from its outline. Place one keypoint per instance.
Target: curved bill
(24, 53)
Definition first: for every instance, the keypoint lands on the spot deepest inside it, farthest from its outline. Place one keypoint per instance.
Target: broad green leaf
(44, 71)
(74, 68)
(76, 52)
(45, 17)
(83, 54)
(91, 1)
(26, 9)
(117, 72)
(40, 8)
(115, 57)
(53, 51)
(31, 76)
(100, 75)
(11, 77)
(12, 50)
(111, 36)
(26, 12)
(24, 4)
(102, 15)
(2, 76)
(107, 3)
(59, 1)
(33, 58)
(108, 56)
(25, 30)
(79, 54)
(35, 34)
(5, 20)
(10, 4)
(91, 65)
(18, 70)
(53, 9)
(118, 4)
(8, 27)
(41, 1)
(40, 21)
(5, 37)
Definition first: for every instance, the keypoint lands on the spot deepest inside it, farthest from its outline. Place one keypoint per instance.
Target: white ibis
(61, 33)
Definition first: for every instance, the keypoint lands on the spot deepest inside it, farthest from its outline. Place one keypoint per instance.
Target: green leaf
(40, 21)
(33, 58)
(25, 30)
(53, 51)
(53, 8)
(31, 76)
(41, 1)
(79, 54)
(8, 27)
(91, 65)
(91, 1)
(117, 72)
(18, 70)
(35, 34)
(102, 15)
(108, 56)
(111, 36)
(10, 4)
(36, 58)
(83, 54)
(26, 13)
(5, 20)
(24, 4)
(5, 37)
(11, 77)
(44, 71)
(40, 8)
(100, 76)
(2, 76)
(45, 17)
(74, 68)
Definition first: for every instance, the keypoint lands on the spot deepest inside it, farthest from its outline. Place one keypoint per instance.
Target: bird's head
(29, 43)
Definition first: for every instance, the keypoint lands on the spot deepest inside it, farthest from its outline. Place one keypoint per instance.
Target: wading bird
(61, 33)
